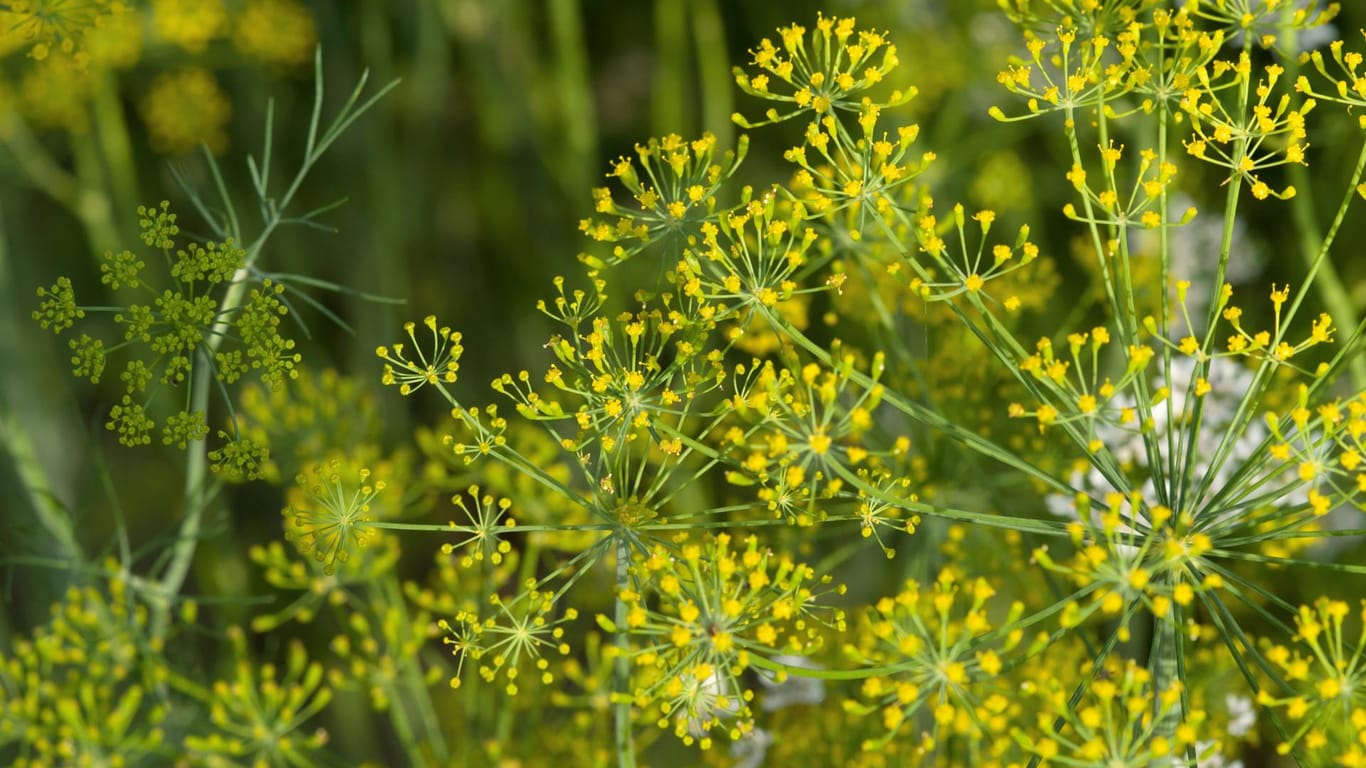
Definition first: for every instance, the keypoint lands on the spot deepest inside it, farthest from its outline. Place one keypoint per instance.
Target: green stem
(578, 121)
(713, 70)
(319, 139)
(621, 665)
(196, 460)
(36, 485)
(668, 100)
(411, 678)
(1163, 663)
(89, 205)
(111, 130)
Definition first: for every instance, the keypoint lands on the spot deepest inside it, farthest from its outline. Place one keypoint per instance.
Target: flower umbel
(328, 513)
(437, 366)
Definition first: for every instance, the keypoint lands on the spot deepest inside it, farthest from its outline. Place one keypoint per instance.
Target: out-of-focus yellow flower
(276, 32)
(115, 41)
(190, 24)
(185, 108)
(54, 92)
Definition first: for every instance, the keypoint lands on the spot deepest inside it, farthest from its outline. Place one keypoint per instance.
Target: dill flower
(720, 610)
(280, 32)
(829, 70)
(514, 639)
(1119, 723)
(487, 521)
(55, 26)
(318, 579)
(938, 656)
(380, 648)
(315, 414)
(673, 191)
(327, 515)
(55, 92)
(436, 367)
(807, 431)
(190, 24)
(1320, 685)
(260, 713)
(184, 109)
(116, 42)
(84, 687)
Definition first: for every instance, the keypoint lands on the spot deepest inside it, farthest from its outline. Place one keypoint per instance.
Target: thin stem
(621, 665)
(202, 381)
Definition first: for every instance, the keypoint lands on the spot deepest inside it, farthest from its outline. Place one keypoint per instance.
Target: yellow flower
(190, 24)
(54, 93)
(116, 42)
(46, 27)
(276, 32)
(185, 108)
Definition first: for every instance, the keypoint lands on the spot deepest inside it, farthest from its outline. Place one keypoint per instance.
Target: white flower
(792, 691)
(1242, 717)
(1193, 254)
(1229, 381)
(750, 749)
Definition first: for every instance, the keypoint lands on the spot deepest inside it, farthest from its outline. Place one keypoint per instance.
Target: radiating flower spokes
(329, 510)
(718, 607)
(435, 361)
(518, 636)
(1124, 720)
(259, 713)
(676, 194)
(1322, 687)
(832, 73)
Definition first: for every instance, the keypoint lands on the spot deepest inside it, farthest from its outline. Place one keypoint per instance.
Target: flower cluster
(85, 686)
(823, 73)
(1324, 676)
(691, 486)
(434, 368)
(178, 329)
(517, 637)
(327, 516)
(260, 713)
(673, 192)
(719, 611)
(938, 657)
(1121, 721)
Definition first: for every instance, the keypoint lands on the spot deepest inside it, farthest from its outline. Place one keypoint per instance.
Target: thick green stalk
(1163, 662)
(88, 204)
(578, 120)
(318, 141)
(37, 487)
(116, 149)
(196, 460)
(668, 101)
(621, 665)
(713, 70)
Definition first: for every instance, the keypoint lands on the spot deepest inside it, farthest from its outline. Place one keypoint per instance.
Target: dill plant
(742, 515)
(203, 317)
(712, 430)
